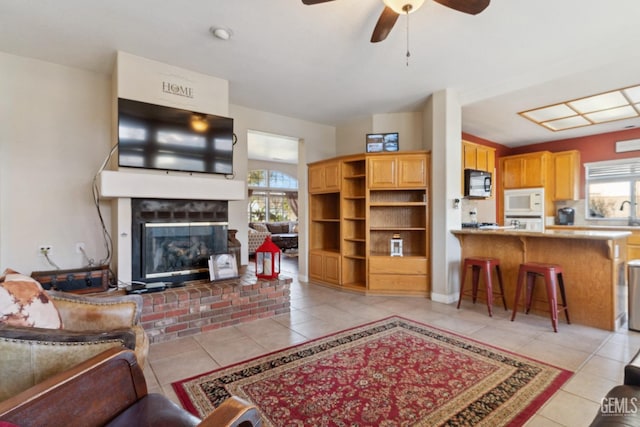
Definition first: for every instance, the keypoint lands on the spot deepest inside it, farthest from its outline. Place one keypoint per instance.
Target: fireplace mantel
(115, 184)
(121, 186)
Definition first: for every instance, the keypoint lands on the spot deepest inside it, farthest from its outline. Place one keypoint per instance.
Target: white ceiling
(316, 62)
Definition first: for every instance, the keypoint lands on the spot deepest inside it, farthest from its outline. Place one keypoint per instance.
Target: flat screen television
(379, 142)
(157, 137)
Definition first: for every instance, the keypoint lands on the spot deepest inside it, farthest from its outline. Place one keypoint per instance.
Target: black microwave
(477, 183)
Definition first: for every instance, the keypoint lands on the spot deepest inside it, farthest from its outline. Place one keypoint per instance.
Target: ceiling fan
(393, 9)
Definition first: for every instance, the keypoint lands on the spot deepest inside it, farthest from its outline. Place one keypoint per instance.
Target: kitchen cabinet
(525, 170)
(324, 177)
(477, 156)
(566, 175)
(633, 245)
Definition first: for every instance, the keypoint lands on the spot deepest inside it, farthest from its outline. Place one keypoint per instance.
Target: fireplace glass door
(171, 249)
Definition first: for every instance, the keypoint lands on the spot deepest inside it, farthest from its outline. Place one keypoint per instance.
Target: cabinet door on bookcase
(382, 172)
(324, 177)
(412, 171)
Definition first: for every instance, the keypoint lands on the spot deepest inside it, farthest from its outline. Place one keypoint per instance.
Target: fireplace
(172, 240)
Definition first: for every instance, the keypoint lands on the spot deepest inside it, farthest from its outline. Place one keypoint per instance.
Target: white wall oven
(524, 208)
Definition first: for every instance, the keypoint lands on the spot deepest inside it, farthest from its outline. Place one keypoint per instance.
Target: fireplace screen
(171, 249)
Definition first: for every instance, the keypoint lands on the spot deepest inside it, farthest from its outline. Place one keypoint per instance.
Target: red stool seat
(552, 274)
(485, 265)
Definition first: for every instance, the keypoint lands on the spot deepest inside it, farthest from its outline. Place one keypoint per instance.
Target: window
(613, 190)
(273, 196)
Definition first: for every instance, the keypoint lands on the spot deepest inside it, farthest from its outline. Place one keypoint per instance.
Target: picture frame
(222, 266)
(382, 142)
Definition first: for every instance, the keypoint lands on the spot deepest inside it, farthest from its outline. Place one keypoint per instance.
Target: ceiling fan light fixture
(404, 6)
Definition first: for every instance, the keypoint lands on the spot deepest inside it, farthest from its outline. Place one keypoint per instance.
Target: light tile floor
(597, 357)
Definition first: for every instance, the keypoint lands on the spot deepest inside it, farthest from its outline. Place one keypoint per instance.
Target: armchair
(90, 325)
(110, 390)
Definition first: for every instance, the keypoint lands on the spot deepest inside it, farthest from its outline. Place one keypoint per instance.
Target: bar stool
(552, 274)
(478, 264)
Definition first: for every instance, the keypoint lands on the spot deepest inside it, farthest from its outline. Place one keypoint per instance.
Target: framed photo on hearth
(222, 266)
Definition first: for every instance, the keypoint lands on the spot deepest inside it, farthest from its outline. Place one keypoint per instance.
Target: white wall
(55, 133)
(351, 137)
(408, 126)
(443, 127)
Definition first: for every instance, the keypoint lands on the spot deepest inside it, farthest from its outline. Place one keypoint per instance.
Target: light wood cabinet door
(566, 175)
(469, 155)
(382, 172)
(324, 178)
(512, 172)
(525, 170)
(412, 171)
(324, 266)
(534, 170)
(401, 171)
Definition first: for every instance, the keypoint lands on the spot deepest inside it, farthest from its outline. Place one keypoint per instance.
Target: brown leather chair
(90, 325)
(110, 390)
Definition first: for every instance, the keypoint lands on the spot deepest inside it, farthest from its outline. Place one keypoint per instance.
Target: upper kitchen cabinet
(525, 170)
(397, 171)
(324, 177)
(566, 175)
(479, 157)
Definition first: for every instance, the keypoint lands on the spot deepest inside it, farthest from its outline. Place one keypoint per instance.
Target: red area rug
(387, 373)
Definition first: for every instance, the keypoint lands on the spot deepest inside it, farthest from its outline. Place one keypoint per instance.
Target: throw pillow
(23, 302)
(293, 227)
(260, 227)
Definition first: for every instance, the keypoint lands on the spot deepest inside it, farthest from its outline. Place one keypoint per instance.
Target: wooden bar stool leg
(550, 282)
(531, 284)
(488, 283)
(499, 274)
(462, 279)
(563, 296)
(518, 291)
(475, 270)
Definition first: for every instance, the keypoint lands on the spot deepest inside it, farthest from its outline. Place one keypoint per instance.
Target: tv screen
(379, 142)
(157, 137)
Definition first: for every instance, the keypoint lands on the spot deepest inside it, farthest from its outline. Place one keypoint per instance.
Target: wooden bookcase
(350, 229)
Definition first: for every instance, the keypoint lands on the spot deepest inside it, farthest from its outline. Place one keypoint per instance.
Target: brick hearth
(204, 306)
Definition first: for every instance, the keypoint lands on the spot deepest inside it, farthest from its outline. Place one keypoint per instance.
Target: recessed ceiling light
(604, 107)
(221, 33)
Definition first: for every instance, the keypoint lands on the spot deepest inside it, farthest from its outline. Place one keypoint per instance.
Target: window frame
(614, 171)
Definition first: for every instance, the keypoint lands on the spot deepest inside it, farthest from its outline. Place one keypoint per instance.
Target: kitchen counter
(593, 262)
(560, 233)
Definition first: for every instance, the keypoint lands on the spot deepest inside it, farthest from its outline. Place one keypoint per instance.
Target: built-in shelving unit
(353, 220)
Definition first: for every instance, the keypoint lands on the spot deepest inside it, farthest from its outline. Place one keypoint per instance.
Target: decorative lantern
(268, 260)
(396, 245)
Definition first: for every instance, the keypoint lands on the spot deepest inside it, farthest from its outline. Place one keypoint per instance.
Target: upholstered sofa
(283, 233)
(621, 405)
(43, 333)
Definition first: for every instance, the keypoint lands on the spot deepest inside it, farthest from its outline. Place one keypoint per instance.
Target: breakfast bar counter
(593, 262)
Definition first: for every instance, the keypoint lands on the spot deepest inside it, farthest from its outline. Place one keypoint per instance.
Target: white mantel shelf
(124, 184)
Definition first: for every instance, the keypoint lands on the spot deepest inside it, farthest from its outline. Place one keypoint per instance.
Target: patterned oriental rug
(386, 373)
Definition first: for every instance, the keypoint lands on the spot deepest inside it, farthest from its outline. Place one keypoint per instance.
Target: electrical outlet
(45, 249)
(80, 247)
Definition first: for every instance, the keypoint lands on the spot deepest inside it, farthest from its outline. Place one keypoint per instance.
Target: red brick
(153, 316)
(175, 328)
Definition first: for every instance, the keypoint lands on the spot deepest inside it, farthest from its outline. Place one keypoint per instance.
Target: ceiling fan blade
(385, 23)
(310, 2)
(472, 7)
